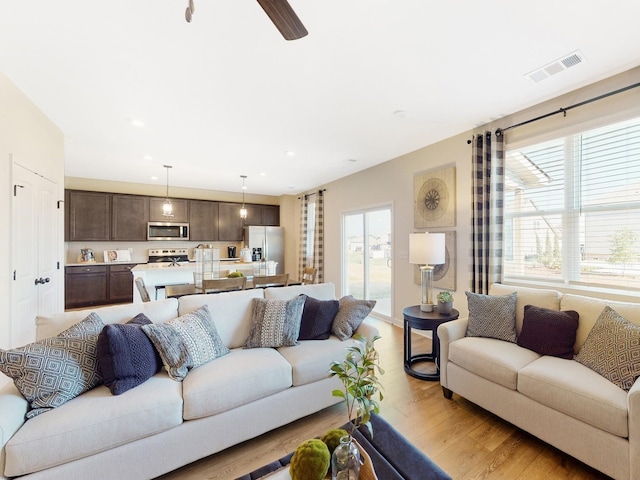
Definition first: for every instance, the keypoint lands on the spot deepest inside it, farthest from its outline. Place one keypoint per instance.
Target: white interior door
(35, 230)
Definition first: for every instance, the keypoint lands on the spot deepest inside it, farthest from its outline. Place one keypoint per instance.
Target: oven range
(173, 257)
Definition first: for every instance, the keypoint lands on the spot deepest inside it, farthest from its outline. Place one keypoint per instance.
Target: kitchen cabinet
(180, 210)
(88, 215)
(203, 221)
(91, 285)
(230, 225)
(130, 214)
(269, 215)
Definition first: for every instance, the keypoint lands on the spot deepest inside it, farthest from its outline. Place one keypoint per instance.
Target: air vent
(558, 66)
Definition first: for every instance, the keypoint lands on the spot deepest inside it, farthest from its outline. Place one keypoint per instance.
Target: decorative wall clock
(434, 198)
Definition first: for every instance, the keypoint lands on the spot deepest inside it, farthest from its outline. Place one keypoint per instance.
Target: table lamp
(427, 249)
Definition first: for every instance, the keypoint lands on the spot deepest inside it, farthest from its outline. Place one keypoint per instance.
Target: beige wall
(29, 138)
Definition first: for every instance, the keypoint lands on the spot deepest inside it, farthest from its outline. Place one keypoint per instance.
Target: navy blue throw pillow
(126, 356)
(317, 319)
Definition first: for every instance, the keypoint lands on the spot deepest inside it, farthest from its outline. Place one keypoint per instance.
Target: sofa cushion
(311, 359)
(495, 360)
(321, 291)
(275, 322)
(612, 349)
(94, 422)
(351, 314)
(126, 356)
(492, 316)
(317, 319)
(549, 332)
(52, 371)
(243, 376)
(539, 297)
(575, 390)
(186, 342)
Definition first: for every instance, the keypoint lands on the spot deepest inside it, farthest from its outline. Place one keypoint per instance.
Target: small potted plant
(445, 302)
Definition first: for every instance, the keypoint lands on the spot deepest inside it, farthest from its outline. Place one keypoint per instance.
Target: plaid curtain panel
(318, 244)
(302, 257)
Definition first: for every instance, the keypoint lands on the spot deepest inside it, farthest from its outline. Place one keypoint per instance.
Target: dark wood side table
(415, 318)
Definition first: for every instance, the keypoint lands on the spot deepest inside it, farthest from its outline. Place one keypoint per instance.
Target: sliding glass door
(367, 263)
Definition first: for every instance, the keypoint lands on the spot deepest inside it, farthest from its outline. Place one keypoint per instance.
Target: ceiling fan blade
(284, 18)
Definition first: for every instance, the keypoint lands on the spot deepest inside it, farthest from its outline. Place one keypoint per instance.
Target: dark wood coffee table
(392, 455)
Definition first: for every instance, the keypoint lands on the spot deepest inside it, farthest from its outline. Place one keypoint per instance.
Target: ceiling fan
(280, 13)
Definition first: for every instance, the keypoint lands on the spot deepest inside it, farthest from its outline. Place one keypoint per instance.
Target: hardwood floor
(463, 439)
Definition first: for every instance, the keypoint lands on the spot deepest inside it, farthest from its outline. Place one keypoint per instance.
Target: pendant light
(167, 207)
(243, 210)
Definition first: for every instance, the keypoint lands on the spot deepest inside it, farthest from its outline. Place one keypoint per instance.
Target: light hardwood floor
(462, 438)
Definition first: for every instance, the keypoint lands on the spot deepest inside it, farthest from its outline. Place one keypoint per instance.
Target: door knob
(42, 281)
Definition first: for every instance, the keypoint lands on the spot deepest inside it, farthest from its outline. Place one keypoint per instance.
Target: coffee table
(392, 455)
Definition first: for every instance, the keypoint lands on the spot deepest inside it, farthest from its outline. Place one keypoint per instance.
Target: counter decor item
(86, 256)
(358, 373)
(207, 264)
(445, 302)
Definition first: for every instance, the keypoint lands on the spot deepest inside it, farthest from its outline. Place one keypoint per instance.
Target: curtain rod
(564, 110)
(312, 193)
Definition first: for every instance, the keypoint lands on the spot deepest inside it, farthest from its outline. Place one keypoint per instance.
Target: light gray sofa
(559, 401)
(162, 424)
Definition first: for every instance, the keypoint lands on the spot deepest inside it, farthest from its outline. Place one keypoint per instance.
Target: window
(572, 209)
(367, 256)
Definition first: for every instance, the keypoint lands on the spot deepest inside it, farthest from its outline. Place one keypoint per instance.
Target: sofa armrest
(447, 333)
(633, 405)
(13, 408)
(367, 330)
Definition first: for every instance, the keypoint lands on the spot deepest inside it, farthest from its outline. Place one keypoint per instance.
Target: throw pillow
(54, 370)
(351, 314)
(492, 316)
(549, 332)
(317, 319)
(612, 349)
(126, 356)
(186, 342)
(276, 323)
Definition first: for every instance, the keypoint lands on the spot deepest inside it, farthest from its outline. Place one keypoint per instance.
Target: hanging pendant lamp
(167, 206)
(243, 210)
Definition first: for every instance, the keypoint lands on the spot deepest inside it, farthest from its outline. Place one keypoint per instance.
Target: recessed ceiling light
(153, 177)
(400, 114)
(148, 158)
(351, 160)
(262, 174)
(290, 153)
(137, 123)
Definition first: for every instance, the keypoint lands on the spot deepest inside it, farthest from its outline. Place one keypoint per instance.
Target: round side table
(415, 318)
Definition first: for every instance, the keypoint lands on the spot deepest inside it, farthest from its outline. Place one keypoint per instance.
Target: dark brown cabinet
(270, 215)
(231, 226)
(180, 210)
(88, 215)
(130, 214)
(203, 221)
(90, 285)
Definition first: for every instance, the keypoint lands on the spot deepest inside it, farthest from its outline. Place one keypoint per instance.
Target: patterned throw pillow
(186, 342)
(351, 314)
(317, 319)
(55, 370)
(126, 356)
(612, 349)
(276, 323)
(492, 316)
(549, 332)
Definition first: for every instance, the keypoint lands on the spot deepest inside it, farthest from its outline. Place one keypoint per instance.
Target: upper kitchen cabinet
(203, 221)
(230, 225)
(88, 215)
(130, 214)
(269, 215)
(180, 210)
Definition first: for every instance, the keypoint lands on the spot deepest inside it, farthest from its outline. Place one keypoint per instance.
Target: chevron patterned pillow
(492, 316)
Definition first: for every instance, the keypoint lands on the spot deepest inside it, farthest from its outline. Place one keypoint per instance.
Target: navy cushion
(549, 332)
(317, 319)
(126, 356)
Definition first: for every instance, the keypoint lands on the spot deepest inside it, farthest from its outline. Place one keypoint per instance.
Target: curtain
(318, 244)
(487, 217)
(312, 234)
(304, 232)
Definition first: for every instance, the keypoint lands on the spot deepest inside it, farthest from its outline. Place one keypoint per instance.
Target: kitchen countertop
(88, 264)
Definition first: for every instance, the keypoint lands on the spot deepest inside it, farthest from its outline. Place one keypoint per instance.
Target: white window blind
(572, 209)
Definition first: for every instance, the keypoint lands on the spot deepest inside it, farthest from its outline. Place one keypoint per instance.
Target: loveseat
(559, 400)
(163, 424)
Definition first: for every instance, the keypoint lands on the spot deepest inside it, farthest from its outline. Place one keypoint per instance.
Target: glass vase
(345, 460)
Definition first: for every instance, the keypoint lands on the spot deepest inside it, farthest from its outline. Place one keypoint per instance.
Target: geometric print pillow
(492, 316)
(612, 349)
(54, 370)
(276, 323)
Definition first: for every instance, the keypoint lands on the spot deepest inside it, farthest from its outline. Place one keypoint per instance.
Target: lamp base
(426, 307)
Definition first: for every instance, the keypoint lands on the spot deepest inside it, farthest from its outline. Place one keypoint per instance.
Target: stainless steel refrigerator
(269, 241)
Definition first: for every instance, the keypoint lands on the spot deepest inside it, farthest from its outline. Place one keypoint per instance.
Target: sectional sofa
(163, 424)
(559, 400)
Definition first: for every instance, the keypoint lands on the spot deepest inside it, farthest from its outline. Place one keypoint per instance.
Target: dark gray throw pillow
(549, 332)
(276, 323)
(317, 319)
(351, 314)
(492, 316)
(126, 356)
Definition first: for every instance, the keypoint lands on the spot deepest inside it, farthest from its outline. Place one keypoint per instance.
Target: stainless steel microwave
(167, 231)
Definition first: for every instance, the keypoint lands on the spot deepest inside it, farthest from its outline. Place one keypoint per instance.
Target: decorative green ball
(332, 438)
(310, 461)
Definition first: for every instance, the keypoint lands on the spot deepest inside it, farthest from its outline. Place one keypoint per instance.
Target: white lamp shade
(427, 248)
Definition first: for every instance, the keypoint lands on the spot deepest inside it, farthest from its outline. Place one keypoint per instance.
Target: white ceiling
(226, 95)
